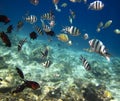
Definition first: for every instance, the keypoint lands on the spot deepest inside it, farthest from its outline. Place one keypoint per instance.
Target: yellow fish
(64, 38)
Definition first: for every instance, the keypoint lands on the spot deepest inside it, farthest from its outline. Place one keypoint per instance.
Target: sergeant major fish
(21, 42)
(38, 29)
(48, 16)
(98, 47)
(74, 31)
(85, 63)
(96, 5)
(46, 63)
(31, 19)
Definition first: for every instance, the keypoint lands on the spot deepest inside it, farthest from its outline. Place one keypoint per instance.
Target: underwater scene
(59, 50)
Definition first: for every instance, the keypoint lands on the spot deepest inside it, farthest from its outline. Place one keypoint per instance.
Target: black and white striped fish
(96, 5)
(98, 47)
(47, 63)
(38, 29)
(21, 42)
(74, 31)
(48, 16)
(31, 19)
(46, 28)
(85, 63)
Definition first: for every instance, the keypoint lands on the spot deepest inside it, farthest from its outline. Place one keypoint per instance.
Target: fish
(19, 25)
(107, 24)
(46, 28)
(5, 39)
(9, 29)
(38, 29)
(74, 1)
(70, 19)
(34, 2)
(55, 2)
(99, 26)
(64, 5)
(33, 35)
(19, 88)
(50, 33)
(96, 5)
(20, 44)
(31, 19)
(98, 47)
(72, 30)
(117, 31)
(63, 37)
(26, 84)
(4, 19)
(45, 53)
(72, 13)
(32, 84)
(52, 23)
(85, 63)
(19, 71)
(47, 63)
(48, 16)
(86, 36)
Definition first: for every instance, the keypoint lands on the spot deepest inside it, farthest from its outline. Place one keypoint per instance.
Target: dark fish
(27, 84)
(45, 53)
(21, 42)
(34, 2)
(50, 33)
(85, 63)
(19, 25)
(4, 19)
(0, 79)
(33, 35)
(32, 84)
(47, 63)
(5, 39)
(19, 71)
(20, 88)
(9, 29)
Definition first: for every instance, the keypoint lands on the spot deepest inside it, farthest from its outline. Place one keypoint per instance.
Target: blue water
(86, 20)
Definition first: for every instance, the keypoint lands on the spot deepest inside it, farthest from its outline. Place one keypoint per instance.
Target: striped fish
(21, 42)
(98, 47)
(47, 63)
(85, 63)
(48, 16)
(96, 5)
(47, 28)
(74, 31)
(38, 29)
(31, 19)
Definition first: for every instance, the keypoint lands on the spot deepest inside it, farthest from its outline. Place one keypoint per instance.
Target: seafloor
(65, 80)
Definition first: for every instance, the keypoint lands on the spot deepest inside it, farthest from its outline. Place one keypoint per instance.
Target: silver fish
(74, 31)
(98, 47)
(48, 16)
(38, 29)
(85, 63)
(96, 5)
(21, 42)
(47, 63)
(31, 19)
